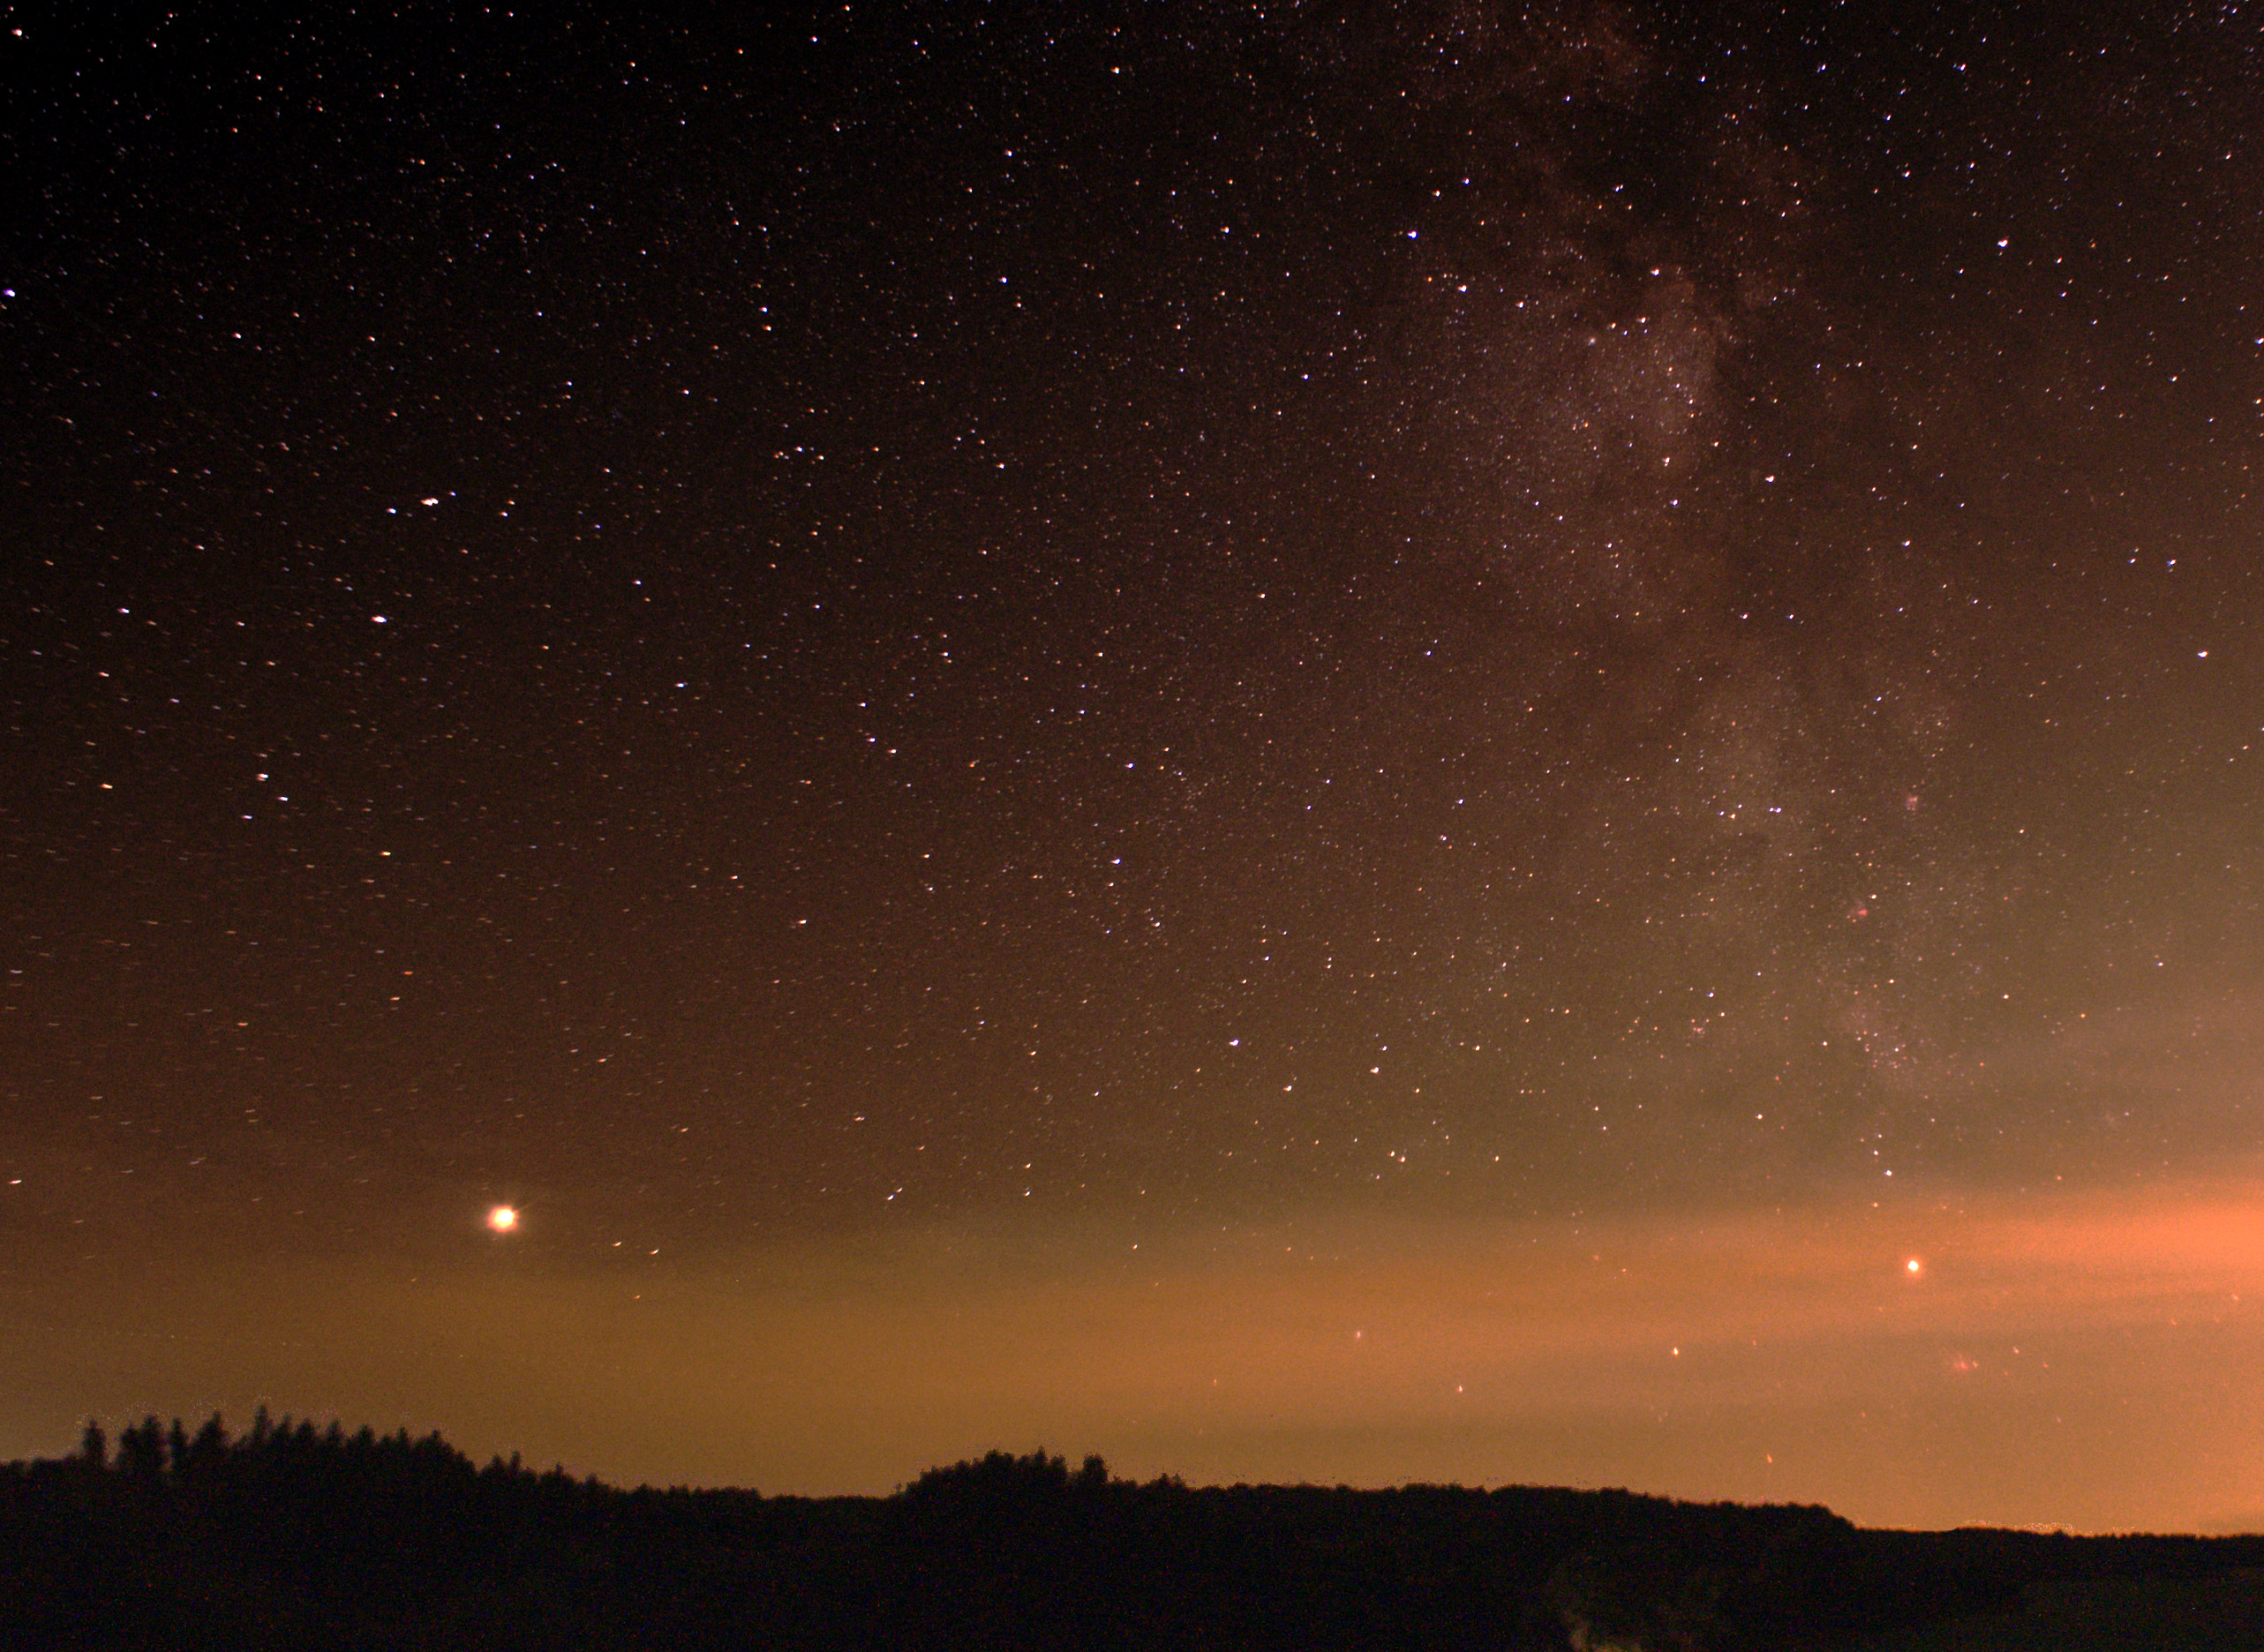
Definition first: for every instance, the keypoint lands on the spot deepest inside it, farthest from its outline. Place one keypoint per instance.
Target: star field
(640, 663)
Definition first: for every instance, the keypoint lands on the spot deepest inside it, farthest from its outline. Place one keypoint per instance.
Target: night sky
(1351, 743)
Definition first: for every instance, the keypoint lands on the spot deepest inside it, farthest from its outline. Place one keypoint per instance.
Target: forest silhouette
(291, 1535)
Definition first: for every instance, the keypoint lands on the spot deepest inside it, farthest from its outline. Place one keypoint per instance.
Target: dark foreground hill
(291, 1537)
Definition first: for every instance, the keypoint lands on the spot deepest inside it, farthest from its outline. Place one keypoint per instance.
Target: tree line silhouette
(291, 1535)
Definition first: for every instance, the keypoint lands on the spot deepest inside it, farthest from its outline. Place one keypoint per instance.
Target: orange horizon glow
(2079, 1359)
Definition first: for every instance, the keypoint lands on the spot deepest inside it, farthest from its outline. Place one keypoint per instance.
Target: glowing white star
(503, 1219)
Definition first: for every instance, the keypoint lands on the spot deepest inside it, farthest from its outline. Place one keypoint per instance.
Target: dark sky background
(1333, 742)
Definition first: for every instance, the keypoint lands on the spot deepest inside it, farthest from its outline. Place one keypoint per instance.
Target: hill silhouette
(288, 1535)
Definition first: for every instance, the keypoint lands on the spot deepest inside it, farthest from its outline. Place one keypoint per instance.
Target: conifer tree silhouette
(142, 1451)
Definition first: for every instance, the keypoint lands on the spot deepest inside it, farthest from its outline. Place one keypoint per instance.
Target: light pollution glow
(2078, 1359)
